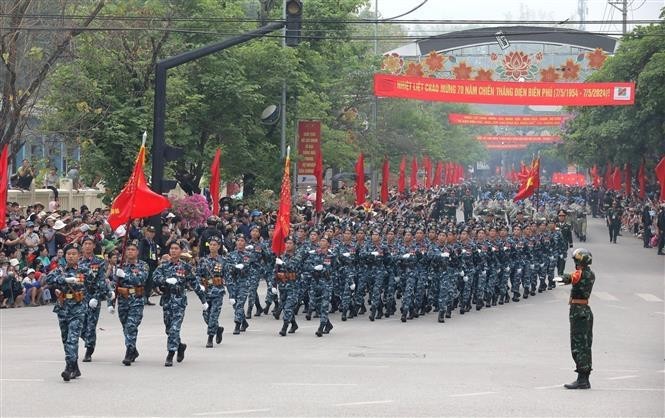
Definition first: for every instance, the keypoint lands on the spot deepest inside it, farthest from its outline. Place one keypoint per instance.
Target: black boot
(462, 310)
(267, 308)
(75, 369)
(294, 326)
(219, 335)
(68, 373)
(494, 299)
(362, 309)
(236, 331)
(88, 354)
(244, 326)
(276, 312)
(328, 327)
(379, 313)
(135, 354)
(169, 359)
(533, 292)
(501, 299)
(526, 294)
(259, 308)
(308, 315)
(343, 315)
(249, 312)
(319, 332)
(488, 304)
(582, 382)
(372, 314)
(276, 309)
(412, 314)
(516, 297)
(480, 305)
(209, 343)
(127, 361)
(354, 311)
(403, 318)
(181, 352)
(442, 314)
(449, 312)
(285, 326)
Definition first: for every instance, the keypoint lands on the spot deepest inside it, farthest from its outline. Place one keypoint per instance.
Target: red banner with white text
(505, 120)
(309, 148)
(503, 92)
(569, 179)
(520, 139)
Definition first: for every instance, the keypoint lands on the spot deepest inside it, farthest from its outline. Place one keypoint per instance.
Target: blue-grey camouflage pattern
(130, 309)
(238, 280)
(287, 288)
(210, 269)
(322, 281)
(99, 291)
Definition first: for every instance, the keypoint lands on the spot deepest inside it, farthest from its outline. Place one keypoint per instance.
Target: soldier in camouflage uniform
(440, 258)
(238, 267)
(97, 267)
(467, 258)
(347, 255)
(376, 256)
(130, 279)
(322, 265)
(257, 269)
(286, 272)
(269, 266)
(358, 298)
(211, 270)
(566, 242)
(407, 262)
(581, 317)
(392, 270)
(71, 283)
(173, 277)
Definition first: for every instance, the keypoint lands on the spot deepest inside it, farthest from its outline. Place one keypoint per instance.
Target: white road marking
(604, 296)
(549, 387)
(238, 411)
(621, 377)
(623, 308)
(649, 297)
(335, 366)
(314, 384)
(472, 394)
(363, 403)
(21, 380)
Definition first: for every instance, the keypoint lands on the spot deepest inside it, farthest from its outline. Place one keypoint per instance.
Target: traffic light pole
(159, 147)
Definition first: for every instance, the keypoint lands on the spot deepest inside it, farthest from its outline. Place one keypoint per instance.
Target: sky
(501, 9)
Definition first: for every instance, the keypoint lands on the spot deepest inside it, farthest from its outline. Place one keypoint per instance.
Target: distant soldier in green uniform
(567, 242)
(581, 317)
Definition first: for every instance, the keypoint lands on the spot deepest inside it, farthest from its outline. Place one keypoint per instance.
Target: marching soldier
(97, 268)
(173, 277)
(287, 268)
(567, 242)
(131, 278)
(322, 265)
(210, 270)
(238, 267)
(581, 316)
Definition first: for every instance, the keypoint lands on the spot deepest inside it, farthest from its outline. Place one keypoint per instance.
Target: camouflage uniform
(211, 272)
(97, 267)
(238, 280)
(376, 256)
(322, 281)
(581, 318)
(130, 304)
(347, 272)
(285, 279)
(256, 273)
(174, 297)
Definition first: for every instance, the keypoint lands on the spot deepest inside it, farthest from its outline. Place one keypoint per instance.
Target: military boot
(135, 354)
(449, 312)
(362, 309)
(526, 294)
(403, 318)
(319, 332)
(75, 369)
(412, 314)
(343, 315)
(354, 311)
(276, 312)
(169, 359)
(127, 361)
(285, 326)
(516, 297)
(442, 314)
(582, 382)
(267, 308)
(308, 315)
(328, 327)
(236, 331)
(68, 373)
(259, 308)
(181, 352)
(244, 326)
(488, 304)
(209, 343)
(249, 312)
(294, 326)
(379, 313)
(219, 334)
(276, 307)
(88, 354)
(372, 314)
(480, 305)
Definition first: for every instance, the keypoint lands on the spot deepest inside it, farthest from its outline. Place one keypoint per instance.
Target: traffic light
(293, 22)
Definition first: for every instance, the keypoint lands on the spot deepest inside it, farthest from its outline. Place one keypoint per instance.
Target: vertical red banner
(309, 149)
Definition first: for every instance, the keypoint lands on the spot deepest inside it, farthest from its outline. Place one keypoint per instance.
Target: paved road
(507, 361)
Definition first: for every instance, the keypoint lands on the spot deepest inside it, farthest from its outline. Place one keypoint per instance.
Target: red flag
(136, 200)
(214, 182)
(438, 173)
(427, 163)
(615, 180)
(608, 176)
(283, 223)
(535, 171)
(595, 177)
(361, 191)
(401, 182)
(385, 180)
(628, 179)
(414, 174)
(4, 184)
(642, 181)
(318, 172)
(660, 175)
(531, 183)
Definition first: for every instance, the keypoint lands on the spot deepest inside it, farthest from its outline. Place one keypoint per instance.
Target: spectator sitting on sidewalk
(33, 289)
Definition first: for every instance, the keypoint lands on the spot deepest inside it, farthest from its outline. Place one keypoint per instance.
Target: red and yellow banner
(569, 179)
(505, 120)
(521, 139)
(503, 92)
(309, 148)
(494, 147)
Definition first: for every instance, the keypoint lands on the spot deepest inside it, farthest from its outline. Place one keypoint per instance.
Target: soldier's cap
(132, 243)
(562, 212)
(215, 238)
(88, 238)
(271, 226)
(72, 246)
(255, 227)
(150, 228)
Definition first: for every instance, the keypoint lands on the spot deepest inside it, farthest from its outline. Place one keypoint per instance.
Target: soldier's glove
(232, 301)
(71, 280)
(111, 310)
(346, 254)
(551, 258)
(375, 253)
(171, 280)
(203, 289)
(239, 266)
(249, 247)
(318, 267)
(507, 269)
(532, 266)
(461, 273)
(542, 265)
(397, 279)
(311, 251)
(112, 295)
(120, 273)
(406, 256)
(519, 271)
(463, 251)
(205, 306)
(466, 279)
(445, 254)
(273, 290)
(93, 303)
(558, 279)
(352, 286)
(279, 261)
(480, 251)
(484, 272)
(505, 248)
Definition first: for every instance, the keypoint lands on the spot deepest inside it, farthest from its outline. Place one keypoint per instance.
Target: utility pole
(581, 11)
(375, 108)
(622, 6)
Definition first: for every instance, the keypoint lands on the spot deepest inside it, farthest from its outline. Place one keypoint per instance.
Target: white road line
(649, 297)
(604, 296)
(21, 380)
(336, 366)
(238, 411)
(631, 389)
(622, 377)
(472, 394)
(363, 403)
(314, 384)
(549, 387)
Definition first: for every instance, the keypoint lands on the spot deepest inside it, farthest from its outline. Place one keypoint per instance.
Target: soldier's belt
(578, 301)
(126, 292)
(283, 277)
(215, 281)
(76, 296)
